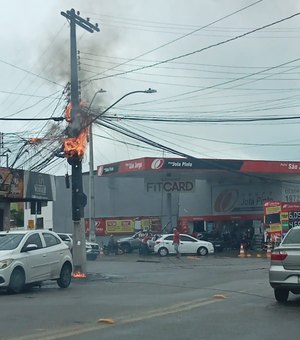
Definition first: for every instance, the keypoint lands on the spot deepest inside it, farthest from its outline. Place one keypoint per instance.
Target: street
(133, 297)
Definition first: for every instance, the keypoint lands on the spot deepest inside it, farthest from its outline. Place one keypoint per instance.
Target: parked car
(67, 239)
(284, 272)
(218, 243)
(30, 257)
(151, 242)
(130, 243)
(92, 248)
(188, 245)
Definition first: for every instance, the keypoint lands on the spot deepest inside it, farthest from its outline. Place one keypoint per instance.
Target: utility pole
(74, 155)
(92, 233)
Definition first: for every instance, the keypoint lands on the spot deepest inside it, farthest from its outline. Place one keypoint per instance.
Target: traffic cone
(242, 252)
(269, 250)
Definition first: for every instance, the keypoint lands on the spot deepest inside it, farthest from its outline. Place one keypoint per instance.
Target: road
(129, 297)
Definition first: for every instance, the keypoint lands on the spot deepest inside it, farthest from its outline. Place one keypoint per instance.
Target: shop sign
(119, 226)
(242, 199)
(11, 183)
(107, 169)
(170, 186)
(123, 225)
(290, 192)
(132, 166)
(39, 186)
(192, 163)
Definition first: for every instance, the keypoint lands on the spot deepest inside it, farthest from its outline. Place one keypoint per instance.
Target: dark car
(284, 272)
(218, 243)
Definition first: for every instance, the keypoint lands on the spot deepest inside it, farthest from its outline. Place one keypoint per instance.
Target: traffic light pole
(75, 127)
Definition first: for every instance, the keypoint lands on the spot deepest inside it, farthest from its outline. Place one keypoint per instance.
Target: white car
(188, 245)
(92, 248)
(30, 257)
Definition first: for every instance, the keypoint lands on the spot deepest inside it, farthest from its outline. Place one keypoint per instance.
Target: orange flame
(68, 112)
(34, 140)
(75, 146)
(69, 109)
(79, 275)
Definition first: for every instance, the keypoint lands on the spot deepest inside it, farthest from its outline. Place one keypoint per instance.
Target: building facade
(224, 197)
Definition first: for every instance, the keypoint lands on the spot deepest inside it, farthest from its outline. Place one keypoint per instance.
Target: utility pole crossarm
(84, 23)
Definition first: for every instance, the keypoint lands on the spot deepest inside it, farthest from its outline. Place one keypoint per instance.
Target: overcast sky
(183, 49)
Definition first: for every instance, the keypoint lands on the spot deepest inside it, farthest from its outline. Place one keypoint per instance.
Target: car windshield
(292, 237)
(10, 241)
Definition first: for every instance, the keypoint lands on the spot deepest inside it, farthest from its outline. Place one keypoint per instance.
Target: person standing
(176, 241)
(111, 246)
(144, 250)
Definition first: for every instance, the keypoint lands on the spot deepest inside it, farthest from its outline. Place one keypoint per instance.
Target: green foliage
(17, 218)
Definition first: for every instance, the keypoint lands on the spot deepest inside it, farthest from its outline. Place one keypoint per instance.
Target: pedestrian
(176, 241)
(144, 250)
(111, 245)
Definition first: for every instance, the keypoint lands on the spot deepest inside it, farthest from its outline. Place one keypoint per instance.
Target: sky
(226, 72)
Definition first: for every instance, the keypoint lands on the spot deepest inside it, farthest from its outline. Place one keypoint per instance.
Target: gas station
(222, 197)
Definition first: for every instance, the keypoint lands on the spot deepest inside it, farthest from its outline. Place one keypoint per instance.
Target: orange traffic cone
(242, 252)
(269, 250)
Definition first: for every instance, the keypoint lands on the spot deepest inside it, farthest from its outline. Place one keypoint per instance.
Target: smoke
(54, 47)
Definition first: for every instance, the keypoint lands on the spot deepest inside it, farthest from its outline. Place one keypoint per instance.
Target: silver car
(284, 272)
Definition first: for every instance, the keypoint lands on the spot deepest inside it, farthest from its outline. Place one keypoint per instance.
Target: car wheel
(126, 248)
(163, 252)
(120, 251)
(92, 257)
(17, 281)
(65, 276)
(281, 294)
(202, 251)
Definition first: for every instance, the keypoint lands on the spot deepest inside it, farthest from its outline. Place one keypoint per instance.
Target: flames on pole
(76, 146)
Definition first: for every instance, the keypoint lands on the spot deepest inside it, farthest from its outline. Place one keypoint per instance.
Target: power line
(170, 42)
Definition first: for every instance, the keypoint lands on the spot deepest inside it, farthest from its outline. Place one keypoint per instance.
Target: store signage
(107, 169)
(39, 186)
(130, 166)
(11, 183)
(243, 199)
(119, 226)
(290, 192)
(192, 163)
(170, 186)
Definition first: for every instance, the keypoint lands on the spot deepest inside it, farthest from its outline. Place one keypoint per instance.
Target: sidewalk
(155, 258)
(236, 253)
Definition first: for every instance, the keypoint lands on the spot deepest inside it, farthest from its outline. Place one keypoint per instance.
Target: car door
(35, 260)
(168, 243)
(187, 245)
(55, 253)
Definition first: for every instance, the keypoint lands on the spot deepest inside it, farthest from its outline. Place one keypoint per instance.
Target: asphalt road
(129, 297)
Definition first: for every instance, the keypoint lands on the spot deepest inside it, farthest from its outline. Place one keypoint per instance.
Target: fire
(79, 275)
(75, 146)
(68, 112)
(34, 140)
(69, 109)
